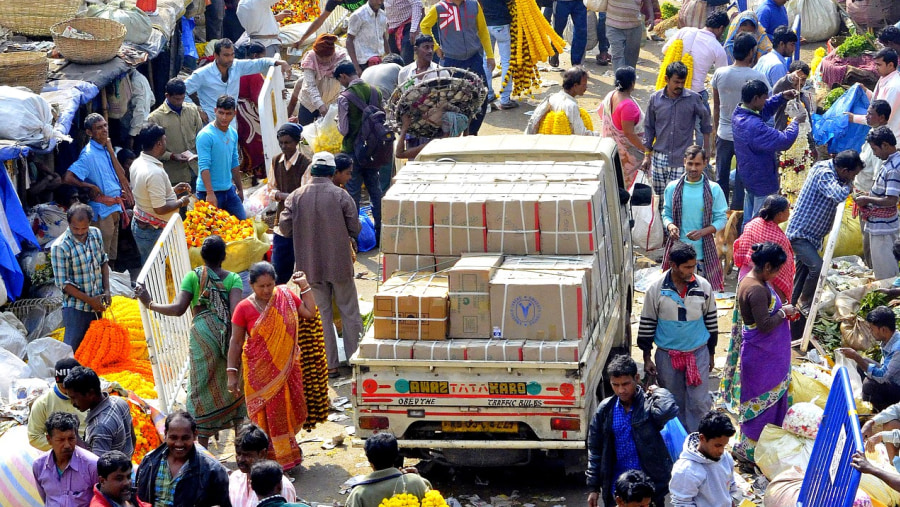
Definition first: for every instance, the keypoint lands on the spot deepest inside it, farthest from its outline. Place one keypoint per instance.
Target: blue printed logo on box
(525, 310)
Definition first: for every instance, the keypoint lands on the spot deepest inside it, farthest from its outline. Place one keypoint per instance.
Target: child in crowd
(704, 474)
(343, 169)
(634, 489)
(114, 489)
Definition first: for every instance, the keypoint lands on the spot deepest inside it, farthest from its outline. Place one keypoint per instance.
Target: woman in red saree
(264, 359)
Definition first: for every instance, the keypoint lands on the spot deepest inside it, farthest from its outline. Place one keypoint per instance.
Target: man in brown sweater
(321, 218)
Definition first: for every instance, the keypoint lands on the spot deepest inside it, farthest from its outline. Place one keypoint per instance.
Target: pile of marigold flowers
(304, 10)
(206, 220)
(106, 348)
(145, 433)
(432, 498)
(533, 40)
(135, 383)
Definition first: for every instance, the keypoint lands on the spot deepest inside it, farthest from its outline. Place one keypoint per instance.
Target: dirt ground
(319, 479)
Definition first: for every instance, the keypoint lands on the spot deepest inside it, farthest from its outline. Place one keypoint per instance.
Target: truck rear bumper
(491, 444)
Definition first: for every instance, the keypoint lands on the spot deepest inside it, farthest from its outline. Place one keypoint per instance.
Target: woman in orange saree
(264, 359)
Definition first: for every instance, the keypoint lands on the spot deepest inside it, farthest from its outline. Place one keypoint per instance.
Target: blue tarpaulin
(834, 127)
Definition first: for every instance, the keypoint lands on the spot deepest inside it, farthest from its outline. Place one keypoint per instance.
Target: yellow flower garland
(533, 40)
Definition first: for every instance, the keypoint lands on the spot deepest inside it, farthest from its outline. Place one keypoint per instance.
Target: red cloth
(100, 501)
(686, 362)
(249, 134)
(760, 231)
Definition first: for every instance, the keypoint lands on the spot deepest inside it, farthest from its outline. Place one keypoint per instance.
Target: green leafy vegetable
(832, 97)
(871, 301)
(668, 9)
(855, 45)
(828, 332)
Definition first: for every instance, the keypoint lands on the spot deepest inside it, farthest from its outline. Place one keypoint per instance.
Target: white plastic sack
(137, 23)
(27, 389)
(119, 285)
(13, 368)
(648, 233)
(16, 477)
(27, 117)
(850, 365)
(257, 202)
(43, 354)
(12, 340)
(784, 490)
(778, 450)
(820, 18)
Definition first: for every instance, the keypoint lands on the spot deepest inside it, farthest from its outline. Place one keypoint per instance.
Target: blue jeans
(370, 176)
(500, 36)
(144, 239)
(602, 41)
(576, 9)
(282, 258)
(724, 156)
(76, 323)
(474, 64)
(752, 205)
(229, 201)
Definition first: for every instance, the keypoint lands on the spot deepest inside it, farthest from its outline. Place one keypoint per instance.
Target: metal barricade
(167, 337)
(830, 481)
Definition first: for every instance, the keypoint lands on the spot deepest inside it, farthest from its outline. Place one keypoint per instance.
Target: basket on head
(34, 17)
(25, 68)
(108, 37)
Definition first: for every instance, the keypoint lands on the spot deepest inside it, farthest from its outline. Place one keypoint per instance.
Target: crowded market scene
(455, 253)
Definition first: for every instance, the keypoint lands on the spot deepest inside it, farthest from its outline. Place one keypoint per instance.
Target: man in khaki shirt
(182, 122)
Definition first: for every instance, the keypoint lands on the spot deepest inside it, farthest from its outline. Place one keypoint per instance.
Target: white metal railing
(272, 113)
(167, 337)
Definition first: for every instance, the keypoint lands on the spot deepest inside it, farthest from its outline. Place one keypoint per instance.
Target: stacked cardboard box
(412, 307)
(470, 295)
(474, 350)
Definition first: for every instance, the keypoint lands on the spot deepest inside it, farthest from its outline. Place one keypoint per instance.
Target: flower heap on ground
(533, 40)
(315, 371)
(125, 312)
(675, 53)
(304, 10)
(206, 220)
(557, 123)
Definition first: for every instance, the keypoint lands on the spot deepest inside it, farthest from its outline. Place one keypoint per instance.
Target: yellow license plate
(480, 426)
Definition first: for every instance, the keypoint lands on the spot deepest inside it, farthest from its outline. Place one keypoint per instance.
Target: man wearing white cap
(321, 217)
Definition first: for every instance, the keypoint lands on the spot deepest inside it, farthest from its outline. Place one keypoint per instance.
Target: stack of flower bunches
(304, 10)
(557, 123)
(106, 348)
(315, 370)
(144, 431)
(675, 53)
(533, 40)
(125, 312)
(135, 383)
(205, 220)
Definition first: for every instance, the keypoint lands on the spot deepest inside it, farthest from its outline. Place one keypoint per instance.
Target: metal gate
(830, 481)
(167, 337)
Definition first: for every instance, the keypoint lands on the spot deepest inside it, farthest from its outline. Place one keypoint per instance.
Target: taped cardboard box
(470, 295)
(512, 220)
(485, 172)
(444, 262)
(540, 305)
(590, 264)
(448, 350)
(460, 225)
(371, 348)
(412, 307)
(494, 350)
(406, 221)
(567, 215)
(554, 352)
(398, 263)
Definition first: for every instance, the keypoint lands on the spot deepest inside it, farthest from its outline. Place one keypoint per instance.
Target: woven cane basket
(108, 37)
(25, 68)
(35, 17)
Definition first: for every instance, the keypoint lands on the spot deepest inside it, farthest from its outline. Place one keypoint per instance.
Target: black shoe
(554, 61)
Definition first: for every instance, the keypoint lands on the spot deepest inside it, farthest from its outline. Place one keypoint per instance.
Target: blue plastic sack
(834, 127)
(366, 239)
(674, 435)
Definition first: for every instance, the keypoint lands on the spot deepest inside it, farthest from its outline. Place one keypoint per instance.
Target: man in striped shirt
(882, 226)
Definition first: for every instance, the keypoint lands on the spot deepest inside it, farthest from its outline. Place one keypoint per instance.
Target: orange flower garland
(144, 431)
(106, 349)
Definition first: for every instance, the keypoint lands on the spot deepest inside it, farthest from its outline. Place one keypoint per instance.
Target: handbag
(596, 5)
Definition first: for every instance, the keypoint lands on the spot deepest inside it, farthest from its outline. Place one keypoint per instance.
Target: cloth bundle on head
(324, 45)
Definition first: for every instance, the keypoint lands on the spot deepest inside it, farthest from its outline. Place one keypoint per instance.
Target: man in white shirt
(887, 89)
(424, 46)
(260, 23)
(574, 85)
(367, 37)
(155, 199)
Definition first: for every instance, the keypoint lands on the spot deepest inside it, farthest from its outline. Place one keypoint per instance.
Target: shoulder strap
(354, 99)
(376, 481)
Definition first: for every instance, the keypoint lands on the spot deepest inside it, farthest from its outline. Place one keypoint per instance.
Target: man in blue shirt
(828, 184)
(772, 14)
(98, 170)
(223, 76)
(219, 181)
(774, 64)
(882, 384)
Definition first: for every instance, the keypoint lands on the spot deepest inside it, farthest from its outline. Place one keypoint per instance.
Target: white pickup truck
(455, 410)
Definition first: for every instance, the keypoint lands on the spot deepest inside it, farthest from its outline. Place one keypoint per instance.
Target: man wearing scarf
(318, 88)
(680, 318)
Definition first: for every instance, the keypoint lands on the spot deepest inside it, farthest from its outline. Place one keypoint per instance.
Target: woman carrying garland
(623, 120)
(264, 359)
(213, 293)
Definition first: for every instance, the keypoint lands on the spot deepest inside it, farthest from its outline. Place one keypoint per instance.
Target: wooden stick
(826, 264)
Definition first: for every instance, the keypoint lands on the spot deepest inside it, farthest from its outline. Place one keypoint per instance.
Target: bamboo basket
(35, 17)
(108, 37)
(26, 68)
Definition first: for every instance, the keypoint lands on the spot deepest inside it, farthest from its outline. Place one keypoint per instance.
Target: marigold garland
(432, 498)
(304, 10)
(795, 163)
(125, 312)
(673, 54)
(107, 349)
(135, 383)
(144, 431)
(533, 40)
(818, 56)
(206, 220)
(311, 338)
(557, 123)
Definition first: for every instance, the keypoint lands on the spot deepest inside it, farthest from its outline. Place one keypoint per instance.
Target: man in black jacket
(204, 481)
(625, 434)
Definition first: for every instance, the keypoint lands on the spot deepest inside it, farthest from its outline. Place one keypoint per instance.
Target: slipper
(334, 373)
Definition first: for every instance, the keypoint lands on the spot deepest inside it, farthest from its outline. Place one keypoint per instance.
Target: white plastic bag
(27, 117)
(323, 134)
(12, 340)
(820, 18)
(596, 5)
(43, 354)
(648, 233)
(778, 450)
(257, 202)
(137, 23)
(850, 365)
(13, 368)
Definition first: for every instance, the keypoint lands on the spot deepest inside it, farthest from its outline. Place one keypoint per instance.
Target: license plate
(480, 426)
